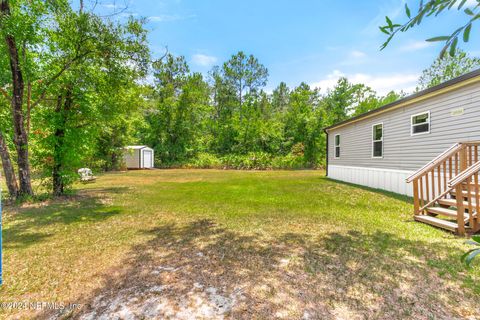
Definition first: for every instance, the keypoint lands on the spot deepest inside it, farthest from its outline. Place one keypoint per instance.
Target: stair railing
(466, 190)
(430, 181)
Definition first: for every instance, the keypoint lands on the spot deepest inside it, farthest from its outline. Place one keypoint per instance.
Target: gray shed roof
(138, 147)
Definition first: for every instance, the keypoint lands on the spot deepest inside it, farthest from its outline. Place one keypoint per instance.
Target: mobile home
(414, 146)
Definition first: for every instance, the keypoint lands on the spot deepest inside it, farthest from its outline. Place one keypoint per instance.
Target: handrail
(464, 175)
(443, 194)
(471, 143)
(457, 146)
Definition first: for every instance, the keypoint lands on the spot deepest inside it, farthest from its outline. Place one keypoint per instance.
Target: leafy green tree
(245, 74)
(339, 102)
(5, 157)
(303, 123)
(5, 130)
(20, 30)
(447, 68)
(280, 98)
(434, 8)
(236, 93)
(108, 58)
(177, 124)
(225, 106)
(119, 127)
(370, 101)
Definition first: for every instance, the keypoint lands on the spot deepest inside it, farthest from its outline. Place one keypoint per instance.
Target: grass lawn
(209, 244)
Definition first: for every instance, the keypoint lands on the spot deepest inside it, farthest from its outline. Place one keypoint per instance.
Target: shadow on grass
(389, 194)
(87, 206)
(202, 270)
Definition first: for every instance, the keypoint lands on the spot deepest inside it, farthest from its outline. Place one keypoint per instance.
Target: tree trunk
(20, 137)
(62, 110)
(8, 168)
(58, 186)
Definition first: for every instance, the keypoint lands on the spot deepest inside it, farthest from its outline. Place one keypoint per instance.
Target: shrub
(205, 161)
(289, 161)
(249, 161)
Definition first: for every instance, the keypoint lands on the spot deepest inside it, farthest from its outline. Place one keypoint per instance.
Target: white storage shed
(138, 157)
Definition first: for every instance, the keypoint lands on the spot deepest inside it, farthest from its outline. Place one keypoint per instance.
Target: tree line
(228, 113)
(74, 92)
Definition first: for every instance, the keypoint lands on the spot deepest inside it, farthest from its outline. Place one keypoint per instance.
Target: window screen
(421, 123)
(377, 141)
(337, 146)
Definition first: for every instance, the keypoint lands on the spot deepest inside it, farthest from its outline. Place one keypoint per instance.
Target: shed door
(147, 158)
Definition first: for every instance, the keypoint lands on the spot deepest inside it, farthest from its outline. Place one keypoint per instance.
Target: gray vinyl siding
(401, 150)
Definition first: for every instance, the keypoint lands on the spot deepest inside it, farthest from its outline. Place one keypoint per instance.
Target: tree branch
(56, 76)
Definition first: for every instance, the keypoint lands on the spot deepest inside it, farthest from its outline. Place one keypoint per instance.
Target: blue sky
(310, 41)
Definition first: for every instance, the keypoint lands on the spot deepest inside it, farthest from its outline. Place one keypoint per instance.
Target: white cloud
(382, 83)
(169, 18)
(204, 60)
(357, 54)
(415, 45)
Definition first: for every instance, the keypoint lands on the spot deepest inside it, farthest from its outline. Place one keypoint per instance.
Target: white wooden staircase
(446, 190)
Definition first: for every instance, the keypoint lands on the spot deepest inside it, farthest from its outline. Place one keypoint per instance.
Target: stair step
(453, 202)
(451, 226)
(443, 211)
(464, 192)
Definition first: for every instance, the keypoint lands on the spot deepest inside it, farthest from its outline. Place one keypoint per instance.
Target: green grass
(280, 244)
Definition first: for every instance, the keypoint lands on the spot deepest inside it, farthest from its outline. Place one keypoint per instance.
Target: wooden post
(463, 160)
(460, 210)
(477, 204)
(420, 180)
(470, 207)
(416, 201)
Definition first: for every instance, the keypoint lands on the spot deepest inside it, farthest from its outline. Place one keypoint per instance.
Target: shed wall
(132, 158)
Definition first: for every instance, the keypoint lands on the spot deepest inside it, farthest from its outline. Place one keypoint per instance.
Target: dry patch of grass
(186, 244)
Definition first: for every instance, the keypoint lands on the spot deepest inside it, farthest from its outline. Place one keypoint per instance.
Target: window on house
(377, 140)
(421, 123)
(337, 146)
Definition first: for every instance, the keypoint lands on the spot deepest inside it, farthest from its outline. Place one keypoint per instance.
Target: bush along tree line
(74, 91)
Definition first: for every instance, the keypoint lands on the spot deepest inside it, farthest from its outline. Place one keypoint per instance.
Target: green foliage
(249, 161)
(434, 8)
(473, 253)
(447, 68)
(176, 123)
(205, 161)
(230, 122)
(83, 92)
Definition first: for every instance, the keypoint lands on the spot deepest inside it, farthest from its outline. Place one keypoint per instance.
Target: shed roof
(137, 147)
(424, 94)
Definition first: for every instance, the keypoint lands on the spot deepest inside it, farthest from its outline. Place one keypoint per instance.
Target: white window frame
(413, 125)
(373, 141)
(335, 146)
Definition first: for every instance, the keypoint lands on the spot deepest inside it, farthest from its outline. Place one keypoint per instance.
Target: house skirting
(385, 179)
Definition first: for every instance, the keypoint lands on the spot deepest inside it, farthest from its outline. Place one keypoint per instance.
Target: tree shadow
(88, 206)
(201, 270)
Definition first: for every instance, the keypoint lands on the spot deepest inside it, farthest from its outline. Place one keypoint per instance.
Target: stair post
(460, 210)
(416, 200)
(459, 192)
(463, 159)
